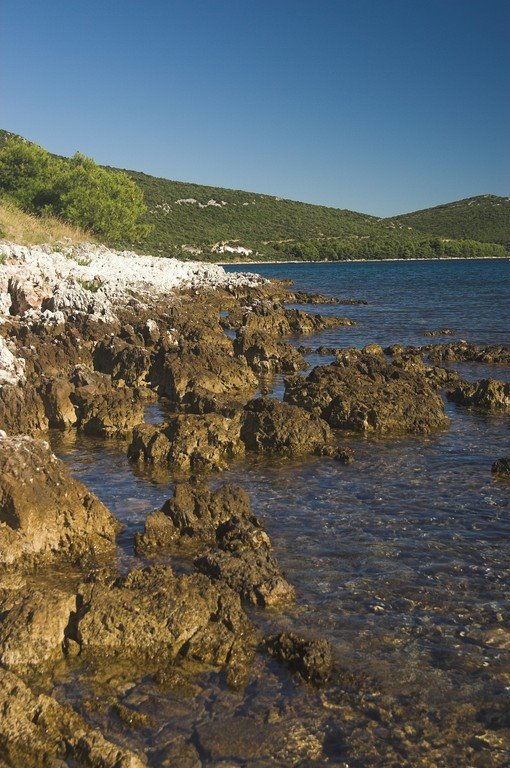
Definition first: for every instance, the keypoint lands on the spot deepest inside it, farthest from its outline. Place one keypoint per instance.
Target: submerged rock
(36, 730)
(363, 392)
(501, 467)
(486, 395)
(312, 660)
(43, 510)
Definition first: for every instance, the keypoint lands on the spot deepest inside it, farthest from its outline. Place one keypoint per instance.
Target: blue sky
(380, 106)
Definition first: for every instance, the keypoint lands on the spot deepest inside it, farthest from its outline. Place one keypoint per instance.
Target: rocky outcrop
(22, 410)
(36, 730)
(240, 553)
(439, 332)
(304, 297)
(43, 510)
(312, 660)
(270, 426)
(461, 351)
(363, 392)
(155, 613)
(267, 354)
(501, 467)
(276, 320)
(485, 395)
(189, 442)
(126, 363)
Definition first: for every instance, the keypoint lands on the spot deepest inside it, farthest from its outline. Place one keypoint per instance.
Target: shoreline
(360, 261)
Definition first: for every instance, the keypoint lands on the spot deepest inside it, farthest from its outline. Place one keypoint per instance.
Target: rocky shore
(89, 338)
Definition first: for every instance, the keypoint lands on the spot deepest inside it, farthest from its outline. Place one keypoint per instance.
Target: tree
(105, 202)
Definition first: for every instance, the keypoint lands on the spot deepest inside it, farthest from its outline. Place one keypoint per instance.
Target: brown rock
(48, 511)
(311, 659)
(22, 410)
(35, 730)
(365, 393)
(486, 395)
(265, 353)
(189, 442)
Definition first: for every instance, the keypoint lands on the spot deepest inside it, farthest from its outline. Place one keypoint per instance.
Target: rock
(440, 332)
(265, 354)
(22, 410)
(108, 413)
(36, 730)
(154, 613)
(304, 297)
(241, 553)
(311, 659)
(461, 351)
(189, 442)
(486, 395)
(125, 363)
(364, 392)
(501, 467)
(195, 513)
(274, 319)
(12, 368)
(33, 628)
(56, 396)
(178, 377)
(270, 426)
(44, 509)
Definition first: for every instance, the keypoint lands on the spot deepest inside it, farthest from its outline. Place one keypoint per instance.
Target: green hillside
(211, 223)
(485, 218)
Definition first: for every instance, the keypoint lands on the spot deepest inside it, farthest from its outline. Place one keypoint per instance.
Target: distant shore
(358, 261)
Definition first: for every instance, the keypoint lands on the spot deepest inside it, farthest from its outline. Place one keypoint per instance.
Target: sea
(400, 560)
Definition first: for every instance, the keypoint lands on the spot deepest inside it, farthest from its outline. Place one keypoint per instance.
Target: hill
(485, 218)
(216, 224)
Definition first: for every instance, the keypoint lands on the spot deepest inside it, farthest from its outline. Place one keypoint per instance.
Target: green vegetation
(172, 218)
(76, 190)
(485, 218)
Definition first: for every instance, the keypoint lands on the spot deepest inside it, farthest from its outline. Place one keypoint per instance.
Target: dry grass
(25, 229)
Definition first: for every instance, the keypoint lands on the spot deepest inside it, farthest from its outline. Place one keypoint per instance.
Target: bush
(105, 202)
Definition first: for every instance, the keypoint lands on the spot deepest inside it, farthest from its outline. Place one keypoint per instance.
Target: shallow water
(401, 560)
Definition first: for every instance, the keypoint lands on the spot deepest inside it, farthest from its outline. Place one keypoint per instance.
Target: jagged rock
(154, 613)
(58, 406)
(178, 376)
(189, 442)
(461, 351)
(194, 513)
(311, 659)
(265, 354)
(276, 320)
(440, 332)
(364, 392)
(33, 627)
(35, 730)
(270, 426)
(304, 297)
(241, 556)
(114, 412)
(486, 395)
(12, 368)
(124, 362)
(501, 467)
(43, 509)
(22, 410)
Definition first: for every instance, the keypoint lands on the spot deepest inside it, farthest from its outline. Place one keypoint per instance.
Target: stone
(156, 614)
(270, 426)
(47, 511)
(485, 395)
(189, 442)
(36, 730)
(312, 660)
(501, 467)
(265, 353)
(22, 410)
(364, 392)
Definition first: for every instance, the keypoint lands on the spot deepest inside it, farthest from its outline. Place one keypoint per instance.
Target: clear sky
(380, 106)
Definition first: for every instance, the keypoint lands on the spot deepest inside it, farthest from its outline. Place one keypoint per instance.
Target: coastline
(359, 261)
